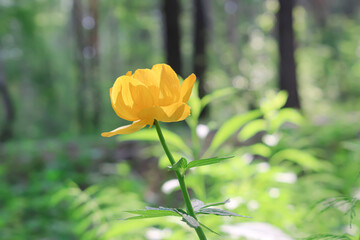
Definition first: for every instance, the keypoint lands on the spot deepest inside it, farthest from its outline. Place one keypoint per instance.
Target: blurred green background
(296, 166)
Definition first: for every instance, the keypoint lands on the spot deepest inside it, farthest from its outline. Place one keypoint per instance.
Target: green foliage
(172, 139)
(285, 161)
(204, 162)
(153, 212)
(230, 127)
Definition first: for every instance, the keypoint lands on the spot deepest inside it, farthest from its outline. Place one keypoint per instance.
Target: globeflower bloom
(148, 95)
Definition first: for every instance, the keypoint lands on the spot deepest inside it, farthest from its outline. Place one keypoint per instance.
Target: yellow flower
(150, 94)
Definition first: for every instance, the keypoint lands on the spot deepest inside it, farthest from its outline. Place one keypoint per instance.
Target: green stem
(181, 180)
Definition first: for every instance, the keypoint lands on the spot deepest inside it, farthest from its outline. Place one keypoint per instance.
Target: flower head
(150, 94)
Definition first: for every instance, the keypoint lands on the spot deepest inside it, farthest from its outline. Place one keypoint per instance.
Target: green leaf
(260, 149)
(286, 115)
(273, 101)
(251, 129)
(197, 204)
(219, 212)
(180, 166)
(300, 157)
(192, 222)
(209, 229)
(217, 94)
(204, 162)
(195, 104)
(216, 204)
(174, 140)
(164, 160)
(152, 213)
(230, 127)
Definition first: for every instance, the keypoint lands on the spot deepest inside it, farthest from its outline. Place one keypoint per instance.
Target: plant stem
(181, 180)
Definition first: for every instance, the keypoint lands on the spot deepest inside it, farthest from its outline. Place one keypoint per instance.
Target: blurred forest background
(296, 169)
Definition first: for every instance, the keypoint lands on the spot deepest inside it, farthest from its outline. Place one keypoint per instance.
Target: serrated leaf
(152, 213)
(220, 212)
(230, 127)
(207, 161)
(216, 204)
(174, 140)
(251, 129)
(197, 204)
(192, 222)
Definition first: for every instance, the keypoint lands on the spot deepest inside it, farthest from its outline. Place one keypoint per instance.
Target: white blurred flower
(234, 203)
(202, 130)
(288, 177)
(253, 205)
(352, 230)
(270, 140)
(254, 231)
(263, 167)
(169, 186)
(157, 234)
(357, 193)
(248, 158)
(274, 192)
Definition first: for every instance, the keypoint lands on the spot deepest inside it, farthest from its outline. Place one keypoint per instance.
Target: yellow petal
(149, 114)
(129, 73)
(147, 76)
(141, 96)
(122, 109)
(175, 112)
(135, 126)
(151, 80)
(186, 88)
(169, 84)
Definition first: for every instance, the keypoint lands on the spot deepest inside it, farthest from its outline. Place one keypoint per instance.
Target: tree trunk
(287, 64)
(77, 13)
(6, 131)
(94, 64)
(200, 37)
(171, 11)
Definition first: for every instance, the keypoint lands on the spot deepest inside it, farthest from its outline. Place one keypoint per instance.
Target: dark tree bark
(86, 31)
(200, 37)
(94, 64)
(287, 66)
(77, 14)
(7, 130)
(320, 11)
(171, 12)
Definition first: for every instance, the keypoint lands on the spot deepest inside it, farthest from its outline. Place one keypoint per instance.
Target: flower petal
(151, 80)
(175, 112)
(122, 109)
(141, 96)
(147, 76)
(135, 126)
(186, 88)
(169, 84)
(129, 73)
